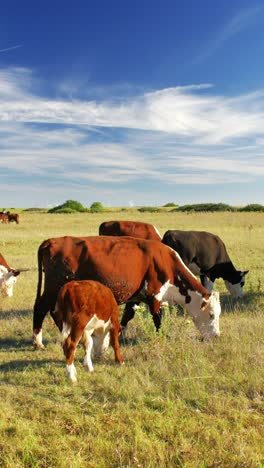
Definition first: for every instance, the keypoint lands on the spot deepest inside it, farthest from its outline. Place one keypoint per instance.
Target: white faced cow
(8, 277)
(206, 255)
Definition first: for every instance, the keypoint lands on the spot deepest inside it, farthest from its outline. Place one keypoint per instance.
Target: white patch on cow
(7, 281)
(37, 339)
(157, 231)
(184, 267)
(71, 372)
(235, 290)
(66, 330)
(206, 319)
(96, 335)
(88, 344)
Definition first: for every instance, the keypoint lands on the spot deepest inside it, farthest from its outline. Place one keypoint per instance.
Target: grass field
(175, 402)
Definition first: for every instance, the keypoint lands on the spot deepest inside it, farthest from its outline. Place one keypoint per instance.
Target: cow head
(236, 284)
(7, 280)
(206, 318)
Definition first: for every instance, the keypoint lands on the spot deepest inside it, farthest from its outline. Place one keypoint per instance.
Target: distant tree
(170, 205)
(252, 207)
(149, 209)
(70, 206)
(96, 207)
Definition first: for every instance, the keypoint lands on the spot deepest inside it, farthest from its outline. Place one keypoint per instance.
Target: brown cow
(3, 218)
(134, 269)
(13, 217)
(7, 277)
(87, 310)
(129, 228)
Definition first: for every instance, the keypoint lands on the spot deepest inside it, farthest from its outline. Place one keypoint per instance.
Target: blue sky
(131, 102)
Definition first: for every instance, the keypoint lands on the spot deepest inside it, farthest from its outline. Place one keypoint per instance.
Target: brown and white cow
(87, 310)
(7, 278)
(206, 255)
(129, 228)
(3, 218)
(134, 269)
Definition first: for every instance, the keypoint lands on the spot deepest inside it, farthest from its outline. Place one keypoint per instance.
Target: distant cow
(134, 269)
(7, 278)
(87, 310)
(205, 254)
(129, 228)
(13, 217)
(3, 218)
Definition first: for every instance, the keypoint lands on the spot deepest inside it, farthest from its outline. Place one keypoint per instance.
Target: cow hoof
(39, 346)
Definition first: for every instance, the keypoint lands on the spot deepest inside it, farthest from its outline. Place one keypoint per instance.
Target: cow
(205, 254)
(88, 310)
(8, 277)
(134, 269)
(129, 228)
(13, 217)
(3, 218)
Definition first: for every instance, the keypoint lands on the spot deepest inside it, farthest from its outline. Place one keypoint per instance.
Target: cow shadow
(21, 365)
(11, 314)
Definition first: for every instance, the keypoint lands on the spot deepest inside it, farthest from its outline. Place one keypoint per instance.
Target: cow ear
(245, 272)
(15, 272)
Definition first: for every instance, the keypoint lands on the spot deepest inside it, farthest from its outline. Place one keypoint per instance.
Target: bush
(170, 205)
(149, 209)
(96, 207)
(206, 207)
(70, 206)
(252, 207)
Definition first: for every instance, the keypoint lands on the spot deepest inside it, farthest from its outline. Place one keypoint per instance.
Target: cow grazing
(13, 217)
(134, 269)
(205, 254)
(3, 218)
(7, 278)
(87, 310)
(129, 228)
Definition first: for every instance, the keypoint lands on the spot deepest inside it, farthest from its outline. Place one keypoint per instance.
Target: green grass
(175, 402)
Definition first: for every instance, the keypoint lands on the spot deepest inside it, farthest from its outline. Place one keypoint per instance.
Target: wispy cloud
(241, 20)
(173, 137)
(11, 48)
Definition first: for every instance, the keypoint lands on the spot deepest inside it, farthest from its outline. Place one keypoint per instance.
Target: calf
(205, 254)
(87, 310)
(7, 278)
(129, 228)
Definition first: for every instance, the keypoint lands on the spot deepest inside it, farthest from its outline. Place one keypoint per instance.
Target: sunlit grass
(176, 402)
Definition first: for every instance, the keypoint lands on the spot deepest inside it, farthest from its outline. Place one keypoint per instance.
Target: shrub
(149, 209)
(70, 206)
(170, 205)
(252, 207)
(206, 207)
(96, 207)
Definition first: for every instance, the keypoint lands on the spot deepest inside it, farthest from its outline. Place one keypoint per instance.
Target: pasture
(177, 401)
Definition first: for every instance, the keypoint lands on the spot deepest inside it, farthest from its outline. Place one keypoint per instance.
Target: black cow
(205, 254)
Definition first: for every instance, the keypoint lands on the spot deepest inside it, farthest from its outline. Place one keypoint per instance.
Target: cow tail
(40, 266)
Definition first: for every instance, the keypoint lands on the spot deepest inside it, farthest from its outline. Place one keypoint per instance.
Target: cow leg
(207, 282)
(156, 312)
(88, 346)
(128, 313)
(40, 311)
(69, 348)
(114, 332)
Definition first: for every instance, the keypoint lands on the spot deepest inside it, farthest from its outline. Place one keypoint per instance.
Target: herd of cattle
(86, 278)
(6, 217)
